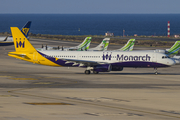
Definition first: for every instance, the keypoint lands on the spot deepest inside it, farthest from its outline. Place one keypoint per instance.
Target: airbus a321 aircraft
(96, 61)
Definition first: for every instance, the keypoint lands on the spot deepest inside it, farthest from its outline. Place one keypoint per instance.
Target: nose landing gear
(155, 71)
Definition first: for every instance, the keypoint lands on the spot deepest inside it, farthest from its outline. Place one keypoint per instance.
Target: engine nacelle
(107, 68)
(116, 68)
(102, 68)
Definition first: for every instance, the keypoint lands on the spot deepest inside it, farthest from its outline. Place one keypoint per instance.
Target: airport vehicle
(84, 46)
(102, 46)
(5, 41)
(96, 61)
(128, 46)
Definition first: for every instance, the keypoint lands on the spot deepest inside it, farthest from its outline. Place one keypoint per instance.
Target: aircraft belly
(139, 64)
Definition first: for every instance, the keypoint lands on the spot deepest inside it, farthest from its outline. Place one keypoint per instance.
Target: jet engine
(102, 68)
(107, 68)
(116, 68)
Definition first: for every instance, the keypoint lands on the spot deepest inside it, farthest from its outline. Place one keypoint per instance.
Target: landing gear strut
(89, 69)
(155, 71)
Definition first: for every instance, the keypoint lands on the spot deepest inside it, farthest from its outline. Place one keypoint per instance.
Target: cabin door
(79, 56)
(154, 58)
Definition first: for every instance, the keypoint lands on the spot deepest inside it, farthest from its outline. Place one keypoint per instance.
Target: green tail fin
(129, 46)
(174, 49)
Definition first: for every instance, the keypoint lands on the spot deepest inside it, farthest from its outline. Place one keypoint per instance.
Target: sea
(94, 24)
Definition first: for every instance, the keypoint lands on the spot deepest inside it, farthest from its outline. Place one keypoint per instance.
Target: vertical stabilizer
(102, 46)
(85, 44)
(25, 30)
(21, 43)
(106, 43)
(128, 46)
(174, 49)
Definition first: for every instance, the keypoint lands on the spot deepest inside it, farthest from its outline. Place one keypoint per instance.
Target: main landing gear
(87, 72)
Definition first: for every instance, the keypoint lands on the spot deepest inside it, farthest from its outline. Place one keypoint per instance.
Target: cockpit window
(163, 57)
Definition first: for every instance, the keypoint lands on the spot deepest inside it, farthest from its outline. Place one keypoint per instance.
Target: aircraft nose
(171, 62)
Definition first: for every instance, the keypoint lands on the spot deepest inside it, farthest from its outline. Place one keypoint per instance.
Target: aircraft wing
(83, 62)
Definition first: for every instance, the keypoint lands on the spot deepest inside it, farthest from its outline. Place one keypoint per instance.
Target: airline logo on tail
(106, 43)
(25, 31)
(102, 46)
(25, 51)
(20, 44)
(88, 43)
(85, 45)
(129, 46)
(174, 49)
(26, 28)
(20, 41)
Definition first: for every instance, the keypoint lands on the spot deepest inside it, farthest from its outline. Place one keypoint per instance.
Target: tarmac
(35, 92)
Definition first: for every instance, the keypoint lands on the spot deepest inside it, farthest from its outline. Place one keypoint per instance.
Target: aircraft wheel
(155, 71)
(95, 72)
(87, 72)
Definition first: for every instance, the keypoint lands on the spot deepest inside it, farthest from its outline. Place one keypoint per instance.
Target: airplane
(128, 46)
(6, 41)
(170, 52)
(102, 46)
(81, 47)
(96, 61)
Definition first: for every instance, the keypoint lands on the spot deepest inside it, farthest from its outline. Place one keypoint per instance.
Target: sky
(90, 6)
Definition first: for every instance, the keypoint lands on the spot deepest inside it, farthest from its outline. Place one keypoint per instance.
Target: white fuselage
(9, 39)
(121, 58)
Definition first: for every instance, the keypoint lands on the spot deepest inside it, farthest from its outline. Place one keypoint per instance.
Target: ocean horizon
(94, 24)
